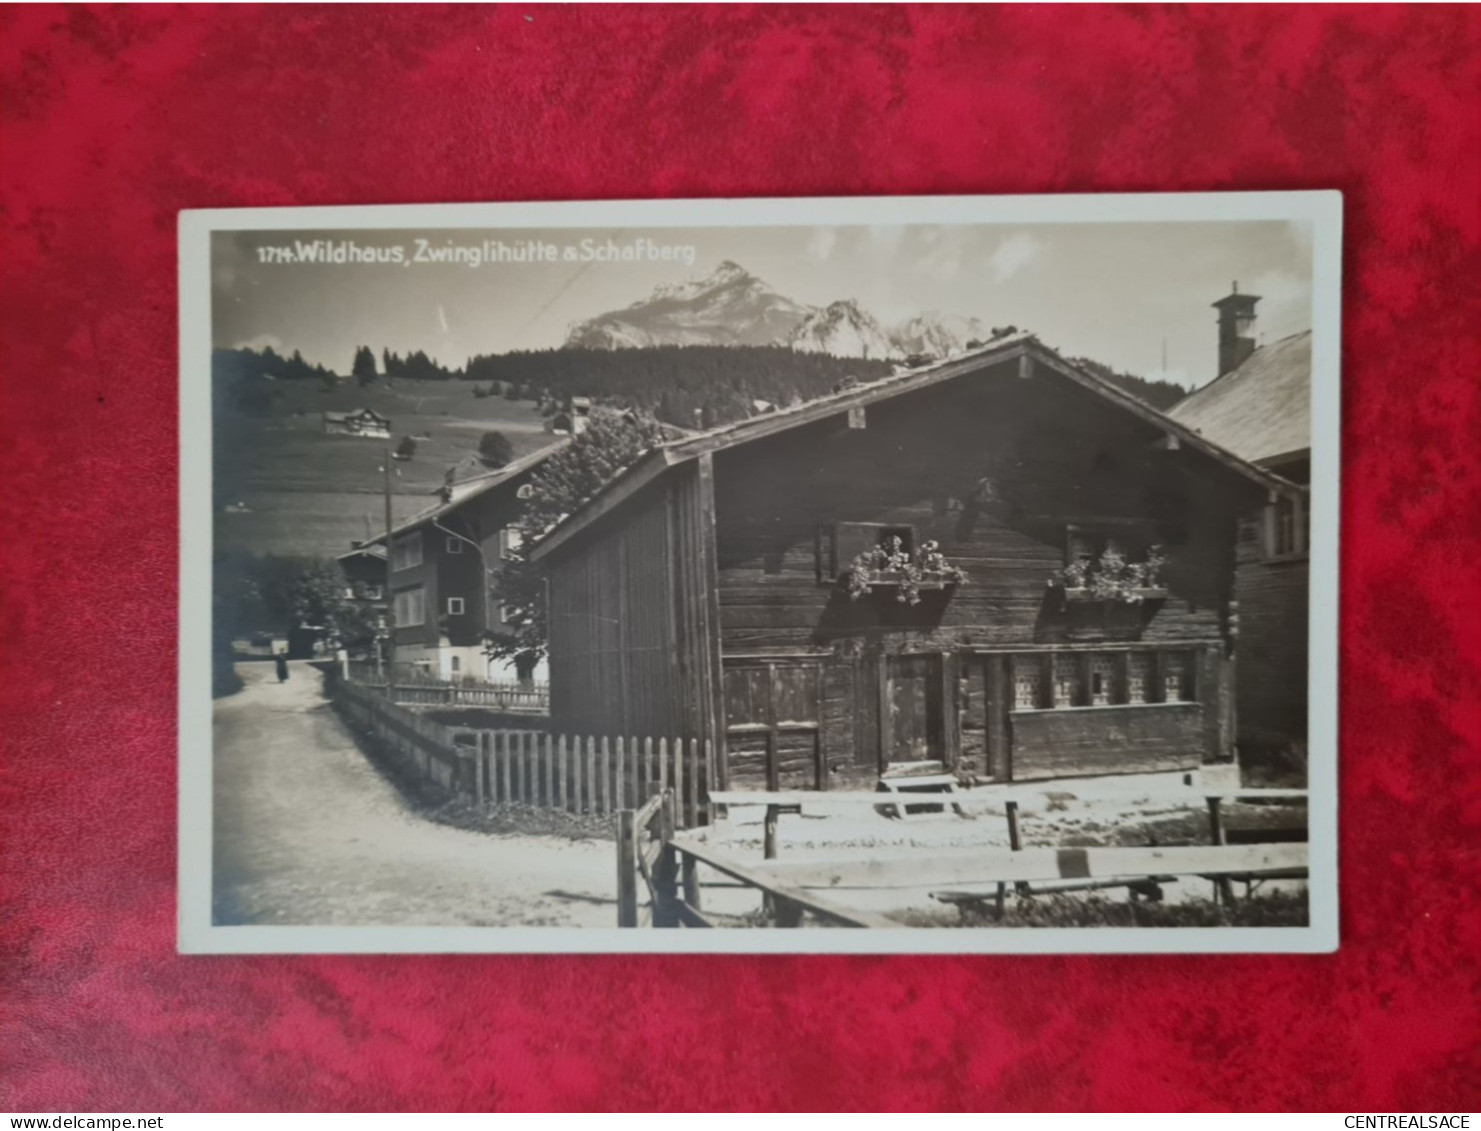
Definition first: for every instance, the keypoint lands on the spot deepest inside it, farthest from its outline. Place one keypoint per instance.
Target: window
(850, 539)
(1138, 676)
(511, 538)
(1028, 683)
(1102, 681)
(1287, 528)
(1176, 682)
(372, 592)
(1087, 544)
(455, 606)
(406, 551)
(454, 545)
(1069, 690)
(411, 607)
(456, 665)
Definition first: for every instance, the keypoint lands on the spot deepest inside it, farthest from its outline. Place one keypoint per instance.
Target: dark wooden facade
(1272, 585)
(703, 595)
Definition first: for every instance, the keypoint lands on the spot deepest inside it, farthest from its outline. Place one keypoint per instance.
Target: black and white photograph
(941, 574)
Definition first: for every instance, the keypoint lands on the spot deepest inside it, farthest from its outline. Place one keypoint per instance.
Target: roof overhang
(1027, 350)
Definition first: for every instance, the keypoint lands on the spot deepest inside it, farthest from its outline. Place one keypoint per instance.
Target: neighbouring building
(358, 422)
(364, 568)
(736, 585)
(1259, 407)
(442, 569)
(572, 421)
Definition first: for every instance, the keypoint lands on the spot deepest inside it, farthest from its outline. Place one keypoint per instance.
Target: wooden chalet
(441, 573)
(1259, 407)
(732, 585)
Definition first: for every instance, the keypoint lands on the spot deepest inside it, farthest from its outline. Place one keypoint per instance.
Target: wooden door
(772, 725)
(914, 712)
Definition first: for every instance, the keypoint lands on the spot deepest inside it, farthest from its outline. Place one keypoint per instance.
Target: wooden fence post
(604, 779)
(1015, 843)
(558, 749)
(627, 869)
(1223, 886)
(647, 767)
(620, 775)
(588, 762)
(478, 768)
(548, 741)
(679, 781)
(665, 868)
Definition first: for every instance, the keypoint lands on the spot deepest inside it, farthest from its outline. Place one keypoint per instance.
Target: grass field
(309, 493)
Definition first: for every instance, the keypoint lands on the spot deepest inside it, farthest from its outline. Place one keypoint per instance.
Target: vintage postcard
(951, 574)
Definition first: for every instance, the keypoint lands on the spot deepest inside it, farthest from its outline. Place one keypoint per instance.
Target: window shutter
(850, 539)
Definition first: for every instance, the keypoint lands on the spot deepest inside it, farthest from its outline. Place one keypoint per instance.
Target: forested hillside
(676, 382)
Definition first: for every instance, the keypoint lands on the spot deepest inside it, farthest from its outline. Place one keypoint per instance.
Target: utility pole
(382, 649)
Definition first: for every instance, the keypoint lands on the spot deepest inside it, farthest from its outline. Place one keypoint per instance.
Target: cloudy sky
(1120, 293)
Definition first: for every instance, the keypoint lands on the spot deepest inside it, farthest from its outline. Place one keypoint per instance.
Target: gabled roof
(367, 550)
(354, 412)
(475, 487)
(1021, 346)
(1260, 409)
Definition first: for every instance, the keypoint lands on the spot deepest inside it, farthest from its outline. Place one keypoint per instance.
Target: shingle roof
(479, 485)
(1261, 409)
(1021, 345)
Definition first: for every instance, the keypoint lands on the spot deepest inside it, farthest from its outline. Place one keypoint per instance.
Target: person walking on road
(281, 661)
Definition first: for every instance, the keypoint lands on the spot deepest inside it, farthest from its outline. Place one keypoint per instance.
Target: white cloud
(262, 342)
(821, 243)
(1013, 255)
(884, 238)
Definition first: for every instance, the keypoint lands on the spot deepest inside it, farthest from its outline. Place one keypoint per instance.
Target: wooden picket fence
(597, 775)
(410, 685)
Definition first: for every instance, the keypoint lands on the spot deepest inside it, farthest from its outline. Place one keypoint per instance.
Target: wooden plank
(998, 866)
(816, 904)
(627, 870)
(480, 739)
(679, 781)
(588, 765)
(604, 775)
(647, 778)
(505, 772)
(1027, 794)
(547, 742)
(620, 774)
(691, 806)
(707, 621)
(562, 795)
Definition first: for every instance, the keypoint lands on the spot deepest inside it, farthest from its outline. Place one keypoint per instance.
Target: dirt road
(307, 832)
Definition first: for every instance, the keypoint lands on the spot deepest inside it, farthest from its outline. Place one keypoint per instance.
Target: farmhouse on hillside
(998, 562)
(441, 573)
(358, 422)
(1259, 407)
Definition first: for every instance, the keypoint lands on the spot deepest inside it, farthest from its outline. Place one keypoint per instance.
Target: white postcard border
(198, 935)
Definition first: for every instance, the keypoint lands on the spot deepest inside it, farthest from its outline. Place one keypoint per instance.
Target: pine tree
(363, 371)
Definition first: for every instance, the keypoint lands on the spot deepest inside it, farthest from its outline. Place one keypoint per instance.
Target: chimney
(1236, 328)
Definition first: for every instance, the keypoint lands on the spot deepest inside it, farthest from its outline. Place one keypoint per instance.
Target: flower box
(1125, 596)
(884, 579)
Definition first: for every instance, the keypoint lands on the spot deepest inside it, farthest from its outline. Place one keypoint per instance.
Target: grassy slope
(309, 492)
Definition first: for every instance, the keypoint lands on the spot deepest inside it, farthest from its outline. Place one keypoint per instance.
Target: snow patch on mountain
(934, 334)
(728, 307)
(844, 329)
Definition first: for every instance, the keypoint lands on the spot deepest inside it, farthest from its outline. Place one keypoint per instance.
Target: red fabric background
(115, 119)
